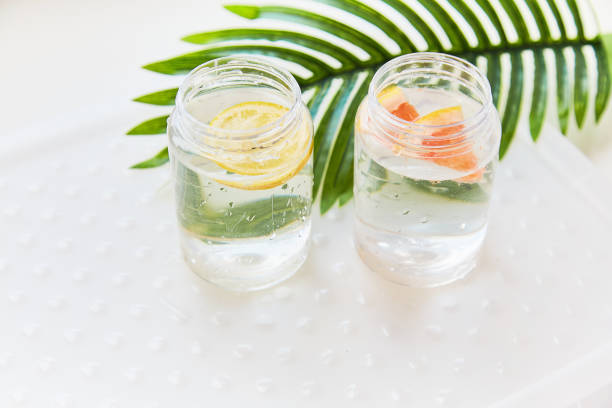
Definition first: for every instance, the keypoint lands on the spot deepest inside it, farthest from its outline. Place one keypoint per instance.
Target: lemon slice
(444, 116)
(391, 97)
(248, 116)
(271, 165)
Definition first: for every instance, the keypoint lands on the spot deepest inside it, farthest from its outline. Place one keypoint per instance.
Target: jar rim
(235, 61)
(464, 66)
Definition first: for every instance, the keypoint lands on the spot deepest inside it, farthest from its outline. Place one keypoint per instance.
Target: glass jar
(240, 143)
(426, 145)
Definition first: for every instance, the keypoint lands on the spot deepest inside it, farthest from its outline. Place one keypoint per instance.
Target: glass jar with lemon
(241, 144)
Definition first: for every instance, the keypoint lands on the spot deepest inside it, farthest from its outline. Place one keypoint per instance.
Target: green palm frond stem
(560, 61)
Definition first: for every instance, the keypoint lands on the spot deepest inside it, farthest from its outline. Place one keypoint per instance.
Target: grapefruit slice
(392, 98)
(464, 159)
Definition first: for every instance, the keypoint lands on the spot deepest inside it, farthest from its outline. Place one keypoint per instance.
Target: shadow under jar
(241, 153)
(426, 145)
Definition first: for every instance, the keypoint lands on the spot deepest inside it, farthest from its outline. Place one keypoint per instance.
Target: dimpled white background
(98, 310)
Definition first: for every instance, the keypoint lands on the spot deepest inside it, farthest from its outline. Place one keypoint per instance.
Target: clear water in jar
(241, 239)
(418, 222)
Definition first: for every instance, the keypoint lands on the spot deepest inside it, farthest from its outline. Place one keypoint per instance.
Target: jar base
(247, 265)
(418, 261)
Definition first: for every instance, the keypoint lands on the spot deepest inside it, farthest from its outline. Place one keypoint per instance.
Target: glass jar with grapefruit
(426, 145)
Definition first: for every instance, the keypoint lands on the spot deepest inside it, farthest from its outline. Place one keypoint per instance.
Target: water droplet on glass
(424, 220)
(406, 212)
(284, 187)
(231, 204)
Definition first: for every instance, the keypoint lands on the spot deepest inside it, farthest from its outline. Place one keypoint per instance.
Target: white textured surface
(63, 301)
(98, 309)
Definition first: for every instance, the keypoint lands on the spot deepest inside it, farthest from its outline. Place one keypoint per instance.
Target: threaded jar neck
(235, 73)
(434, 71)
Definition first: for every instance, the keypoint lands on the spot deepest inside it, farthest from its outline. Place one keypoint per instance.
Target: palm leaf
(540, 94)
(603, 79)
(510, 116)
(546, 55)
(563, 89)
(159, 159)
(153, 126)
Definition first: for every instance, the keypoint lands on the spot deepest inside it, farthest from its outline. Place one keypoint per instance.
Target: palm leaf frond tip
(506, 66)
